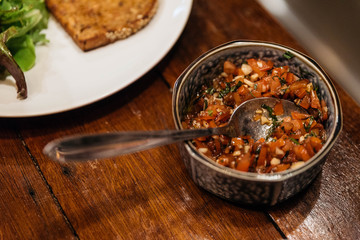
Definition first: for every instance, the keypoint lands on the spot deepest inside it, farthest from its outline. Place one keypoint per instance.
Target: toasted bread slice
(95, 23)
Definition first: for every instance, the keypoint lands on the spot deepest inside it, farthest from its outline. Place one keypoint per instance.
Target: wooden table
(149, 195)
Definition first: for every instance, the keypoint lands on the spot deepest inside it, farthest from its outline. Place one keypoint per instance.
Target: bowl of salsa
(242, 169)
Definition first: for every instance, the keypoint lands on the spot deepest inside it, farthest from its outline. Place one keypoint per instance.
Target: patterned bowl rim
(273, 177)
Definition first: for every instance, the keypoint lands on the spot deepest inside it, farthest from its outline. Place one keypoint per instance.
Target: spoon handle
(103, 145)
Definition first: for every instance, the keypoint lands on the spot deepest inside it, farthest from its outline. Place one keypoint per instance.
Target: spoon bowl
(103, 145)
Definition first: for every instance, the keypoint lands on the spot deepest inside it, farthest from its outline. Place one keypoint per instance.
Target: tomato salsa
(290, 142)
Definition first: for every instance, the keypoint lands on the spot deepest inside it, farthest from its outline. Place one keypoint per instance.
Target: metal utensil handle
(96, 146)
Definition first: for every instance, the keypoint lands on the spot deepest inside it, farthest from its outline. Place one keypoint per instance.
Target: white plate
(65, 77)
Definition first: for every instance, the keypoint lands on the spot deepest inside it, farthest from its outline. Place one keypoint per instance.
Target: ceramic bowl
(243, 187)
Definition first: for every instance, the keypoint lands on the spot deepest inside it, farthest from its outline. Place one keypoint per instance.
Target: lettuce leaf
(21, 23)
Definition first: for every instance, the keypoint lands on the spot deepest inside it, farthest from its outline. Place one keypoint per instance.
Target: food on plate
(290, 142)
(93, 23)
(21, 22)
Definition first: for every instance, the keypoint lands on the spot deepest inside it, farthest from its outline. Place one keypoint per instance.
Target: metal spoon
(103, 145)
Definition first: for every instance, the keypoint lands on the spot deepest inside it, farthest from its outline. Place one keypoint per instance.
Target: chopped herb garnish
(288, 55)
(307, 128)
(294, 141)
(235, 87)
(271, 130)
(283, 91)
(205, 104)
(282, 81)
(285, 156)
(210, 112)
(225, 91)
(319, 114)
(252, 94)
(270, 110)
(258, 149)
(222, 94)
(312, 134)
(275, 122)
(210, 91)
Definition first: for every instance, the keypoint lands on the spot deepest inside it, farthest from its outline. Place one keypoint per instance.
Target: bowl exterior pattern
(244, 187)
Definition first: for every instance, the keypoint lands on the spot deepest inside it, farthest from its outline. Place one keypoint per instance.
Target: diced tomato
(217, 145)
(281, 72)
(290, 78)
(324, 110)
(239, 72)
(288, 145)
(262, 155)
(286, 126)
(259, 66)
(200, 144)
(237, 98)
(310, 124)
(286, 94)
(278, 109)
(264, 84)
(300, 93)
(278, 132)
(266, 66)
(244, 162)
(277, 144)
(261, 86)
(268, 94)
(282, 167)
(229, 67)
(270, 168)
(256, 93)
(225, 159)
(301, 153)
(212, 124)
(207, 117)
(229, 78)
(275, 85)
(201, 139)
(309, 148)
(225, 140)
(253, 64)
(243, 90)
(301, 116)
(287, 119)
(299, 84)
(305, 101)
(237, 142)
(316, 143)
(297, 125)
(223, 117)
(315, 102)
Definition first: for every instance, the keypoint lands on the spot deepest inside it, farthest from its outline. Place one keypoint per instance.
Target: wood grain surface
(149, 195)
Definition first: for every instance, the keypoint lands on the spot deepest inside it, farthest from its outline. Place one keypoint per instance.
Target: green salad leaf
(21, 23)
